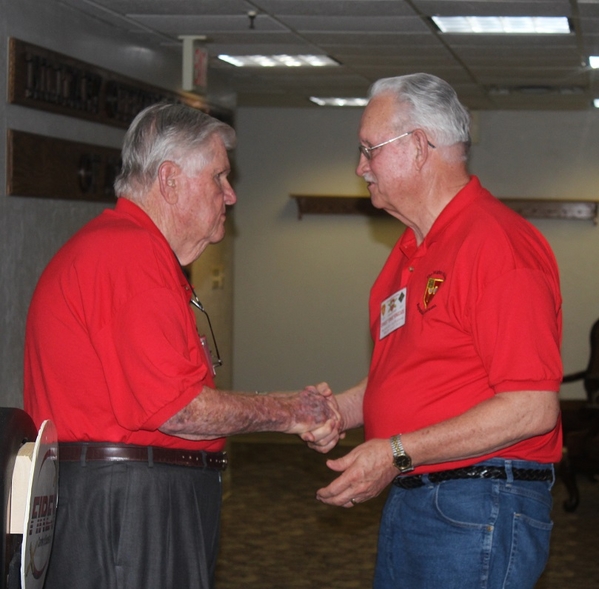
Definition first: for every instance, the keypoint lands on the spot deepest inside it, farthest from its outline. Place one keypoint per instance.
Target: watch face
(403, 462)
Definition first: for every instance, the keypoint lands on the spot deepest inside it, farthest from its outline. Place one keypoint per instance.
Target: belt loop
(150, 457)
(509, 474)
(83, 456)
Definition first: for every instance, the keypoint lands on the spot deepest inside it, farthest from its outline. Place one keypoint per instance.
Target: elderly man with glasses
(114, 359)
(460, 406)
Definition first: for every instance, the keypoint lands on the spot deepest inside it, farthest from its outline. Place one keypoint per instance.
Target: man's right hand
(325, 436)
(313, 408)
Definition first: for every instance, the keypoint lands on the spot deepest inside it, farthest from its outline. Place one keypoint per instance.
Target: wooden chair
(581, 426)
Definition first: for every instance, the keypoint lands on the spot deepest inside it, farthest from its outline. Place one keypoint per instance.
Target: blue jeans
(466, 534)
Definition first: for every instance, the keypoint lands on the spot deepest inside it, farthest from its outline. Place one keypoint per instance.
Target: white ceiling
(377, 38)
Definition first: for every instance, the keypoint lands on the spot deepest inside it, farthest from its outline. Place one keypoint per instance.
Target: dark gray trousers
(130, 525)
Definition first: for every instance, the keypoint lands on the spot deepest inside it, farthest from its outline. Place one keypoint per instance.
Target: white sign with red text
(40, 508)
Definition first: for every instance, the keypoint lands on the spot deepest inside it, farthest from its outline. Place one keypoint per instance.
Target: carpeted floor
(275, 535)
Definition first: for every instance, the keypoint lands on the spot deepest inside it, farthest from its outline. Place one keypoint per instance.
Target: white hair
(433, 106)
(166, 131)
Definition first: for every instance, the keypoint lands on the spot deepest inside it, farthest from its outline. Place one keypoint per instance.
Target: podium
(29, 497)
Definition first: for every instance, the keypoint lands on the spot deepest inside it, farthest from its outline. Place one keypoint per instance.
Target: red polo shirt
(482, 316)
(111, 348)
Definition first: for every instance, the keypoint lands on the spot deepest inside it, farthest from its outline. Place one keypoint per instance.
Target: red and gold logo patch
(433, 284)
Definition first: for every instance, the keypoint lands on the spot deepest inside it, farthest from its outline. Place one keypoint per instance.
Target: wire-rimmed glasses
(367, 151)
(216, 362)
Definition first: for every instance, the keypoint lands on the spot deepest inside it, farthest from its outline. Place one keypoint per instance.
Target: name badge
(393, 312)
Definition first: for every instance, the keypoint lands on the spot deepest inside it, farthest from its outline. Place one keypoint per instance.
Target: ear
(423, 148)
(168, 178)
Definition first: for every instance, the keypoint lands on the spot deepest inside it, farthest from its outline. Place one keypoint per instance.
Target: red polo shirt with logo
(112, 350)
(482, 316)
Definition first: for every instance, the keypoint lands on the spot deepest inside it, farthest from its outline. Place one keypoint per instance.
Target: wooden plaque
(46, 80)
(46, 167)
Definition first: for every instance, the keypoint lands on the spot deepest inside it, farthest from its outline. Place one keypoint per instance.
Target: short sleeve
(517, 332)
(152, 358)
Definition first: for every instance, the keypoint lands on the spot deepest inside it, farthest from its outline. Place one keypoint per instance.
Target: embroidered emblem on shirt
(433, 284)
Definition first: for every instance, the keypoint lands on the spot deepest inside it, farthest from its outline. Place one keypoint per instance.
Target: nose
(363, 165)
(230, 196)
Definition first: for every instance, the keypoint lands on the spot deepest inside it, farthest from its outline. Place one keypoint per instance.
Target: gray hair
(161, 132)
(434, 106)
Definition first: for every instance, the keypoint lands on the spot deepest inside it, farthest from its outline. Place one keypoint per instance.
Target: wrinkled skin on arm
(216, 413)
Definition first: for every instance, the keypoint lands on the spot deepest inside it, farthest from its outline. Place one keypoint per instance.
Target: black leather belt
(474, 472)
(89, 451)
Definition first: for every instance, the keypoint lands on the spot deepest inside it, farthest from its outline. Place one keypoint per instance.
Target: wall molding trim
(316, 204)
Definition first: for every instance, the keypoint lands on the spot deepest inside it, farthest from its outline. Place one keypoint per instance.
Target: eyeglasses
(216, 362)
(367, 151)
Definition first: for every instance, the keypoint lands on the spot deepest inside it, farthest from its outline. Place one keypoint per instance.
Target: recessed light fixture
(339, 101)
(515, 25)
(278, 60)
(594, 61)
(596, 103)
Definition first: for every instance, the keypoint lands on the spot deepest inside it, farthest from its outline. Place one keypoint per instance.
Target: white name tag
(393, 312)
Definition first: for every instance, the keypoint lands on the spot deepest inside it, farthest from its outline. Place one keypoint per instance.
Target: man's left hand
(366, 471)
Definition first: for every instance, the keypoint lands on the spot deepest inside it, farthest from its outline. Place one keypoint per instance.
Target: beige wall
(301, 287)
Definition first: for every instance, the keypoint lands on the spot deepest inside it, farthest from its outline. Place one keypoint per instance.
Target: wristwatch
(401, 460)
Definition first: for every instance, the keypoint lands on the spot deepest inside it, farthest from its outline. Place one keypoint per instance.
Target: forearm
(493, 424)
(216, 413)
(350, 405)
(502, 421)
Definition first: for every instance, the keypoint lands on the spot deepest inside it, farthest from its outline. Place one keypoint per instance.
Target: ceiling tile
(372, 38)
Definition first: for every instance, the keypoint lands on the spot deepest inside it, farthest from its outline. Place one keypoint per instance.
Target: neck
(440, 189)
(162, 214)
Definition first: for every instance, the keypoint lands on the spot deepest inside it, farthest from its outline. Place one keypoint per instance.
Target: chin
(376, 202)
(218, 236)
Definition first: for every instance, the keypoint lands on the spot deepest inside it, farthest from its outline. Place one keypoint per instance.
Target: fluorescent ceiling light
(517, 25)
(596, 103)
(278, 60)
(339, 101)
(594, 61)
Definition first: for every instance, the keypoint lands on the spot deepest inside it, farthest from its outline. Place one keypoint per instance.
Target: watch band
(397, 446)
(401, 460)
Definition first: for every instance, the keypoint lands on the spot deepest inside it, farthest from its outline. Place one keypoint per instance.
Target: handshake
(316, 417)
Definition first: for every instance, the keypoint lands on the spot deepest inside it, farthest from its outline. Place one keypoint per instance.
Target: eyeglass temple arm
(195, 301)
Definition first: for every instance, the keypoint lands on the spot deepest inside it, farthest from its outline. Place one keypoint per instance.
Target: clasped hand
(325, 428)
(365, 471)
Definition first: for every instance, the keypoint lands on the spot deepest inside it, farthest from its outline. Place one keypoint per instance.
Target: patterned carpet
(275, 535)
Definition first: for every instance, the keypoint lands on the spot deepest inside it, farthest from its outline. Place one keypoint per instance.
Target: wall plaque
(46, 80)
(47, 167)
